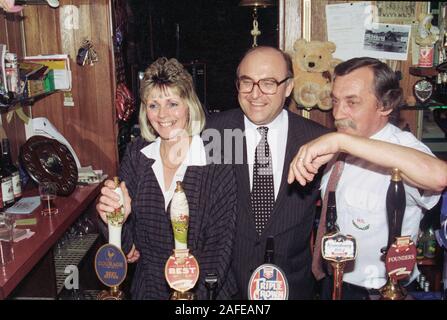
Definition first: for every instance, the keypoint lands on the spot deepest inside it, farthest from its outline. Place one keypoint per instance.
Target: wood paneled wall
(291, 26)
(10, 35)
(89, 126)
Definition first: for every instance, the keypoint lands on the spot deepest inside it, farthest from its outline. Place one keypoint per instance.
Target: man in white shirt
(365, 94)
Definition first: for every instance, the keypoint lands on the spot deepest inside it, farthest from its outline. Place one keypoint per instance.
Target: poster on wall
(387, 41)
(354, 29)
(346, 27)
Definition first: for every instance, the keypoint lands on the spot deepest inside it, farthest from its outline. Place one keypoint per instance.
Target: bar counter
(29, 252)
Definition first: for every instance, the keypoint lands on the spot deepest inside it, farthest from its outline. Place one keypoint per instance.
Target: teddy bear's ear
(330, 46)
(335, 62)
(299, 44)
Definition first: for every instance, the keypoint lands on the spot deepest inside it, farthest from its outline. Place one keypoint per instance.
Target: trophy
(400, 254)
(182, 268)
(110, 260)
(336, 248)
(268, 281)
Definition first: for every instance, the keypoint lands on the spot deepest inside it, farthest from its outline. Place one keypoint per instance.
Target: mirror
(47, 159)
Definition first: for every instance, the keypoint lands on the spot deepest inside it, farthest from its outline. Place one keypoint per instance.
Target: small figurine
(427, 34)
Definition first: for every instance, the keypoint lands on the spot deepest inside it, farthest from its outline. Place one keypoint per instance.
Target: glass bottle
(10, 168)
(430, 244)
(7, 194)
(420, 245)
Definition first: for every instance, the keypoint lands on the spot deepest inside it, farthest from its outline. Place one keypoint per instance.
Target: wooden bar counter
(31, 252)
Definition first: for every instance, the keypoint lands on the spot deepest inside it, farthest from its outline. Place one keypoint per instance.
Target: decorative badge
(182, 270)
(338, 247)
(268, 282)
(400, 258)
(110, 265)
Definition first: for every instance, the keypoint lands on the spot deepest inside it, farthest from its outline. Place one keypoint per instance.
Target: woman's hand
(109, 200)
(133, 255)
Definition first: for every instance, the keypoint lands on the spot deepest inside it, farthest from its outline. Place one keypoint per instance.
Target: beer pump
(268, 281)
(336, 248)
(400, 253)
(110, 260)
(182, 268)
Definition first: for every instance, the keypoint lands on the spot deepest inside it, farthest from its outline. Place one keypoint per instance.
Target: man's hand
(109, 200)
(311, 157)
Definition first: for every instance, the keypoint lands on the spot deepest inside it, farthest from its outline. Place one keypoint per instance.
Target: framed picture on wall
(399, 12)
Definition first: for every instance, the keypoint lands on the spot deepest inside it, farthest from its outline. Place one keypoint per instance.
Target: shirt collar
(196, 153)
(382, 133)
(275, 124)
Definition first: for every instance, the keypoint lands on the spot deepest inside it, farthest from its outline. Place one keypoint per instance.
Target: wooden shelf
(15, 103)
(426, 262)
(424, 72)
(30, 252)
(431, 105)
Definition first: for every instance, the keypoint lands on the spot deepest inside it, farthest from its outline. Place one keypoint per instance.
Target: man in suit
(264, 81)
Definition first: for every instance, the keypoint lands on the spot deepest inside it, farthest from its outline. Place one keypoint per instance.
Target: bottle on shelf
(426, 286)
(430, 244)
(7, 194)
(11, 169)
(421, 282)
(420, 245)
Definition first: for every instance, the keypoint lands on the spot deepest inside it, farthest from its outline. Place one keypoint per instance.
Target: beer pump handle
(395, 206)
(211, 285)
(331, 216)
(269, 251)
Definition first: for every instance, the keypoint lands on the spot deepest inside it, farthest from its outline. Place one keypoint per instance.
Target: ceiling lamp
(255, 32)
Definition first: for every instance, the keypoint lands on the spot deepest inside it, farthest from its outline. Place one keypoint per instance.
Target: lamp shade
(257, 3)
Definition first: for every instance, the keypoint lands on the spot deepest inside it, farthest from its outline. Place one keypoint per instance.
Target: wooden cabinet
(90, 125)
(33, 257)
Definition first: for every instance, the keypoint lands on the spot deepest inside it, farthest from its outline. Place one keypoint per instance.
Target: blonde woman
(170, 149)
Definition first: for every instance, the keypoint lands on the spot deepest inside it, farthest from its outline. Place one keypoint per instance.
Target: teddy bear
(313, 67)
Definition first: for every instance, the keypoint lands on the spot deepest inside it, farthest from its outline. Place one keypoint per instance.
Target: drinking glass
(47, 192)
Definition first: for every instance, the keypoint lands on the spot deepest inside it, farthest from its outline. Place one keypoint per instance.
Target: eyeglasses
(267, 86)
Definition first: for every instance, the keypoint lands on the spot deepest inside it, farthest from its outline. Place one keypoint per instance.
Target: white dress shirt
(196, 157)
(277, 139)
(361, 209)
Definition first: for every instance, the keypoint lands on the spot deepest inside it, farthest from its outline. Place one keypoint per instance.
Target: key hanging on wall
(86, 54)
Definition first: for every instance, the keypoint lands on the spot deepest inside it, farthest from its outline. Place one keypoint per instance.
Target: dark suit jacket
(293, 215)
(211, 194)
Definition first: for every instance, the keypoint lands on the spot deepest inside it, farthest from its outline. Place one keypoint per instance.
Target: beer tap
(268, 281)
(336, 248)
(400, 253)
(211, 285)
